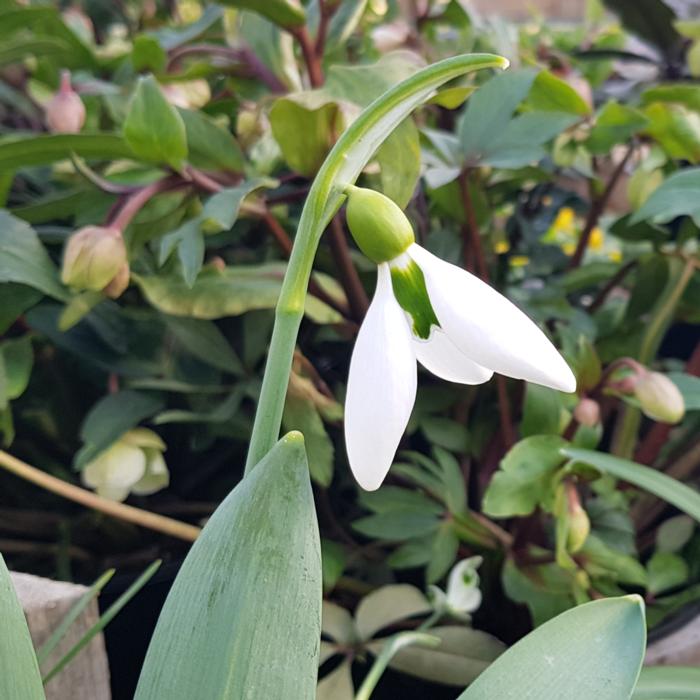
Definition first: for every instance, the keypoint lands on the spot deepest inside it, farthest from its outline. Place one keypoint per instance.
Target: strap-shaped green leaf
(669, 683)
(592, 651)
(658, 483)
(19, 671)
(243, 619)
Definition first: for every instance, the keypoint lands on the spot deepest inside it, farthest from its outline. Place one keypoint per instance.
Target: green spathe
(379, 227)
(243, 619)
(408, 283)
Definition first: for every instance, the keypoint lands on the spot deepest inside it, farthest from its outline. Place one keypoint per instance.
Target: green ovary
(410, 291)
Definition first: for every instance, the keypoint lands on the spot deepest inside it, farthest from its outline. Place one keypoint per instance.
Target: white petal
(114, 471)
(381, 387)
(489, 328)
(441, 356)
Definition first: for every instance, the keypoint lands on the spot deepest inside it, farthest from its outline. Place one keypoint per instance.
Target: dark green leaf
(675, 197)
(614, 124)
(285, 13)
(110, 418)
(24, 260)
(541, 411)
(397, 525)
(552, 94)
(210, 146)
(524, 479)
(154, 129)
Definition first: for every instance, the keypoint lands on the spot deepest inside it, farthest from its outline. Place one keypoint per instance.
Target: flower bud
(134, 463)
(93, 257)
(587, 412)
(65, 113)
(119, 282)
(579, 526)
(379, 227)
(659, 398)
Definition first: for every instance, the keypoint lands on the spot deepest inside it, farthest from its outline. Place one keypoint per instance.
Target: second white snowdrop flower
(427, 310)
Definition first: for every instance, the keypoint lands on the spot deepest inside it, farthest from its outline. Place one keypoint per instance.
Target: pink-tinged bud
(587, 412)
(218, 263)
(65, 113)
(659, 398)
(93, 257)
(119, 282)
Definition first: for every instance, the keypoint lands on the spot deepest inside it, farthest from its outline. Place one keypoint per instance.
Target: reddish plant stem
(253, 66)
(597, 208)
(133, 203)
(472, 237)
(472, 244)
(357, 297)
(308, 51)
(616, 279)
(325, 17)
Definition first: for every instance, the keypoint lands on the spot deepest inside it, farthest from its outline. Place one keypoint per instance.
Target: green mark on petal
(412, 294)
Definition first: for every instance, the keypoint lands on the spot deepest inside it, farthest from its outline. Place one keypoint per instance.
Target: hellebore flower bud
(659, 398)
(134, 463)
(379, 227)
(93, 257)
(587, 412)
(65, 113)
(119, 282)
(579, 523)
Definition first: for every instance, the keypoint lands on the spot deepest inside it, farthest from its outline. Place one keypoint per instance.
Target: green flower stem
(392, 646)
(679, 276)
(341, 168)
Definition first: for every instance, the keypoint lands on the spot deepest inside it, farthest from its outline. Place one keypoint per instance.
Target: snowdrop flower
(463, 594)
(427, 310)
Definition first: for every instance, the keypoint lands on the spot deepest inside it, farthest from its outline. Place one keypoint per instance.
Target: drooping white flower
(463, 594)
(426, 310)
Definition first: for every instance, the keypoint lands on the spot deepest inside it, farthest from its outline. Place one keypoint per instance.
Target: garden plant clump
(375, 321)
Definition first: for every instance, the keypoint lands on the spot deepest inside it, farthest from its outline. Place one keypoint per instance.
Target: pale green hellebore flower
(426, 310)
(133, 464)
(463, 594)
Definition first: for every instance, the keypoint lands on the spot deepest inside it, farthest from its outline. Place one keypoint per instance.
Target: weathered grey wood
(680, 648)
(45, 603)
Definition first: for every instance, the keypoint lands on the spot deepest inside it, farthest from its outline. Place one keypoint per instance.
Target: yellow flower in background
(615, 255)
(501, 247)
(565, 221)
(519, 260)
(569, 248)
(597, 239)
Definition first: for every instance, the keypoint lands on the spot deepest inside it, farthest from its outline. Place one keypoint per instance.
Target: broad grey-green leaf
(153, 128)
(463, 653)
(676, 196)
(524, 478)
(592, 651)
(19, 671)
(396, 525)
(665, 570)
(248, 595)
(658, 483)
(229, 292)
(23, 259)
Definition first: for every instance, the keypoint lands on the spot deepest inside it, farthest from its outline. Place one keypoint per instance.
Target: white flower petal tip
(381, 387)
(488, 328)
(440, 356)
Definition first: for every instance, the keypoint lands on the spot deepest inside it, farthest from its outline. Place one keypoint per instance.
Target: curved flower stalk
(428, 311)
